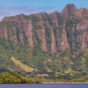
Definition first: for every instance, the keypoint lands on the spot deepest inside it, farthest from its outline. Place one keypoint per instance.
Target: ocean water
(46, 85)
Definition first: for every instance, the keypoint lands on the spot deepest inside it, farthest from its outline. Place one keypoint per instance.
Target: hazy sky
(13, 7)
(38, 3)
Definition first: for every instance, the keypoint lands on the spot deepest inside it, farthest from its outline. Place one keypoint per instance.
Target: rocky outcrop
(71, 10)
(64, 41)
(53, 43)
(30, 34)
(84, 12)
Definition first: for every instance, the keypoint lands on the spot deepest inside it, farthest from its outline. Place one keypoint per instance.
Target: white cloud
(11, 11)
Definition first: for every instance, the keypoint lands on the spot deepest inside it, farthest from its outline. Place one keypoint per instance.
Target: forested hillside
(52, 45)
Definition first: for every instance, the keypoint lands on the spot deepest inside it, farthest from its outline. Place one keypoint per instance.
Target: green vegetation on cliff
(12, 78)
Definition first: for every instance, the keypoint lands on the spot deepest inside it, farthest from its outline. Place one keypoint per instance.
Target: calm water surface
(46, 85)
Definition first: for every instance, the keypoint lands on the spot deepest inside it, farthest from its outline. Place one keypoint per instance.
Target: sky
(15, 7)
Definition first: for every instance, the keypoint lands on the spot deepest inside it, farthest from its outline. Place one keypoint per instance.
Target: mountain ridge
(28, 25)
(34, 39)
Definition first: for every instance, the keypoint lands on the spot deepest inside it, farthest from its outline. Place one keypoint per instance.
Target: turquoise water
(46, 85)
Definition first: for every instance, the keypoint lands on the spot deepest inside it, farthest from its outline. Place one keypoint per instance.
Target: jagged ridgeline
(45, 43)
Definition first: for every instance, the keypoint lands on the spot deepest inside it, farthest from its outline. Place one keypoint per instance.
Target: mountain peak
(70, 6)
(71, 10)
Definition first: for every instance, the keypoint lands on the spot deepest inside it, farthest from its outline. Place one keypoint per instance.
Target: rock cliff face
(52, 33)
